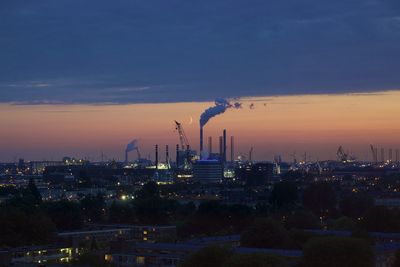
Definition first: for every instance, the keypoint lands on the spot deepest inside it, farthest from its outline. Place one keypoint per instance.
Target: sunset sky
(316, 124)
(80, 77)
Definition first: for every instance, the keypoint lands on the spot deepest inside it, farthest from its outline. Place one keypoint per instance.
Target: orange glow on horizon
(316, 124)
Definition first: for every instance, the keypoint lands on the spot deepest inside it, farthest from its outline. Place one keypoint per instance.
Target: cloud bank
(97, 51)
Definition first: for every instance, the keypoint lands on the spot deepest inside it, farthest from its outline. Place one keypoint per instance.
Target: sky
(99, 61)
(286, 125)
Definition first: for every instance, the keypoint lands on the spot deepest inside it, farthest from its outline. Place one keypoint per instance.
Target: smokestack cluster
(133, 145)
(221, 105)
(224, 155)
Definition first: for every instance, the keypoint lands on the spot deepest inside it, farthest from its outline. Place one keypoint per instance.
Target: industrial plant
(161, 209)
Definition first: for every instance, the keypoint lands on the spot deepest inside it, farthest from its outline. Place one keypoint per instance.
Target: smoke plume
(132, 146)
(221, 105)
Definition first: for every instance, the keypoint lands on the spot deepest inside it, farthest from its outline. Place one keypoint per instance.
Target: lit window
(140, 260)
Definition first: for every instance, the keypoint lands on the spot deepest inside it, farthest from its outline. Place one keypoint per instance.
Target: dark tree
(299, 238)
(34, 192)
(338, 251)
(121, 213)
(84, 179)
(154, 210)
(265, 233)
(65, 214)
(149, 190)
(254, 260)
(186, 210)
(302, 219)
(396, 262)
(213, 256)
(320, 198)
(284, 195)
(356, 205)
(93, 208)
(381, 219)
(18, 228)
(214, 218)
(343, 224)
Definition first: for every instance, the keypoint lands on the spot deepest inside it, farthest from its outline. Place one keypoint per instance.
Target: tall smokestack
(221, 105)
(210, 145)
(224, 134)
(177, 156)
(166, 154)
(232, 149)
(221, 149)
(156, 156)
(201, 140)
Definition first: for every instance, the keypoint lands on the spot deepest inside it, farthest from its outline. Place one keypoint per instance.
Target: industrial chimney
(201, 140)
(166, 154)
(224, 134)
(156, 156)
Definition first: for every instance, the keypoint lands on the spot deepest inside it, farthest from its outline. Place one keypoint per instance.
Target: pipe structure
(156, 156)
(232, 148)
(201, 140)
(166, 154)
(224, 147)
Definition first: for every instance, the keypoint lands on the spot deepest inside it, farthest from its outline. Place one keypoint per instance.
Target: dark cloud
(132, 51)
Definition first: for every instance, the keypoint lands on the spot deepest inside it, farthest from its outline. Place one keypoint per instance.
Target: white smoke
(134, 145)
(221, 105)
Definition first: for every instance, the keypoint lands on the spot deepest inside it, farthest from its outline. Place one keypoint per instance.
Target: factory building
(208, 171)
(256, 174)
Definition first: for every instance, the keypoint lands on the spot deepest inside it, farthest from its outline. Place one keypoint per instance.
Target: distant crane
(344, 156)
(138, 153)
(182, 136)
(341, 155)
(374, 153)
